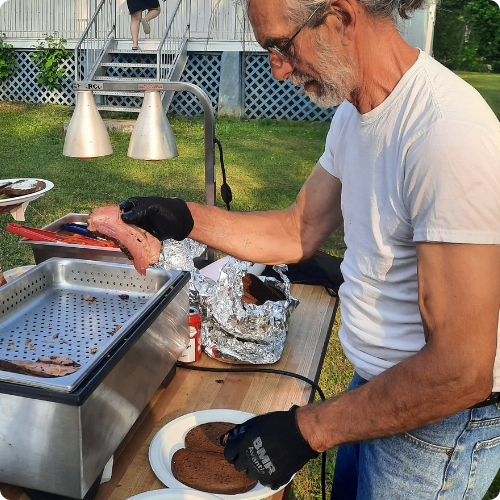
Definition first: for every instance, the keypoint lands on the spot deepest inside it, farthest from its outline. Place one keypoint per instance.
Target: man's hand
(269, 448)
(164, 218)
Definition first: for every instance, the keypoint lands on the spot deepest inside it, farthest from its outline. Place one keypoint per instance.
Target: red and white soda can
(192, 353)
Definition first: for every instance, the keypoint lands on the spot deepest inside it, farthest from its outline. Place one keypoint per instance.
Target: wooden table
(309, 332)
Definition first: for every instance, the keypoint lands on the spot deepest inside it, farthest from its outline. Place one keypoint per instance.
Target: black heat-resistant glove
(164, 218)
(270, 448)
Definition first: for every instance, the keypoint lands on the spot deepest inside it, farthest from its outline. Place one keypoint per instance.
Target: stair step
(123, 109)
(116, 92)
(133, 65)
(124, 79)
(128, 51)
(127, 65)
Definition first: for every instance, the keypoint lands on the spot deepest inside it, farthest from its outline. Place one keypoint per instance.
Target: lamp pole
(209, 124)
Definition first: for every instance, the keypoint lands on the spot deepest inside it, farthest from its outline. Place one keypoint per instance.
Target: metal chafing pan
(44, 313)
(56, 435)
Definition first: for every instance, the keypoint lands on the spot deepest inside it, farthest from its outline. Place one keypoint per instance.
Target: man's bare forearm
(274, 236)
(416, 392)
(271, 237)
(459, 300)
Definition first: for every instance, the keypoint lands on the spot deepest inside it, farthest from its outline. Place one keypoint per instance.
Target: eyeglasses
(282, 52)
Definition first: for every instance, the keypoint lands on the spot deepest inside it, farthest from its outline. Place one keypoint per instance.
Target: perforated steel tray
(44, 313)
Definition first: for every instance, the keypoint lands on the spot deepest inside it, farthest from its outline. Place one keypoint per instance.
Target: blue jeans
(454, 459)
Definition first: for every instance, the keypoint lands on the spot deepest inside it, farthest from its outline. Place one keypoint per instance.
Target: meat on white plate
(140, 247)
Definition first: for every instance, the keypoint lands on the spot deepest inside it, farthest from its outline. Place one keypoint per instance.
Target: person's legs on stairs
(135, 23)
(152, 13)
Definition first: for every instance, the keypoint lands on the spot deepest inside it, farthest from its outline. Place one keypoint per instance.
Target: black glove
(270, 448)
(162, 217)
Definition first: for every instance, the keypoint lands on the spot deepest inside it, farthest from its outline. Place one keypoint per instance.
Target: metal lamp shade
(152, 138)
(87, 136)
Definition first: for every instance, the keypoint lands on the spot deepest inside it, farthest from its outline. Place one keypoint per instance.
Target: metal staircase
(98, 59)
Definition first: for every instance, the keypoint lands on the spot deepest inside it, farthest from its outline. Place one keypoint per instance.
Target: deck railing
(32, 19)
(36, 18)
(95, 40)
(174, 39)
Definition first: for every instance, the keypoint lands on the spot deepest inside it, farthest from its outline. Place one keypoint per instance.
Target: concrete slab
(114, 125)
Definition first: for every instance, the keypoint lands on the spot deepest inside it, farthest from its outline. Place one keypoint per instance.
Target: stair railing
(95, 39)
(174, 39)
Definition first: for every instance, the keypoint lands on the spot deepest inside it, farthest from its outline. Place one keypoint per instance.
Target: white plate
(174, 494)
(170, 438)
(26, 197)
(12, 274)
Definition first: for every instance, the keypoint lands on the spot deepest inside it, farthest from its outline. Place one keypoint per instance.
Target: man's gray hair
(299, 10)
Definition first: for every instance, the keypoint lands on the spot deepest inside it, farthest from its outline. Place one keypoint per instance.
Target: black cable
(257, 370)
(313, 384)
(225, 190)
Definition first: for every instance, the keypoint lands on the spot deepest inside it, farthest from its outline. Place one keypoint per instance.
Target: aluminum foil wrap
(180, 255)
(233, 332)
(248, 333)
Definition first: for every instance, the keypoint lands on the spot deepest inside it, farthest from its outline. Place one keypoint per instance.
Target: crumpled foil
(233, 332)
(180, 255)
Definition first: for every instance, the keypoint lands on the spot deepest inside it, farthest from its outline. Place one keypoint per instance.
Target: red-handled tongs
(43, 235)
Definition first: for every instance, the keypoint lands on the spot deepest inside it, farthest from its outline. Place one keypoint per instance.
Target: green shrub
(49, 58)
(7, 59)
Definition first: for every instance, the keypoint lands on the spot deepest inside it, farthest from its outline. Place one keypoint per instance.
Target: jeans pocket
(486, 416)
(413, 438)
(484, 466)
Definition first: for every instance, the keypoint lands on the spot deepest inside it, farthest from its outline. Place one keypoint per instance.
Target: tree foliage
(467, 35)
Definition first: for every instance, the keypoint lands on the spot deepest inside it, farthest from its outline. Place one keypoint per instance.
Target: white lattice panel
(22, 84)
(266, 97)
(202, 70)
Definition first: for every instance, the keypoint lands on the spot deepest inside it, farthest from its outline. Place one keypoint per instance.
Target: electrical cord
(225, 190)
(313, 384)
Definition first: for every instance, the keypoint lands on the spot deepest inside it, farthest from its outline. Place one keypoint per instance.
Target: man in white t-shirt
(412, 169)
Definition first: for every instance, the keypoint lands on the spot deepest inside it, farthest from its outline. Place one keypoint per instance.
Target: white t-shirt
(422, 166)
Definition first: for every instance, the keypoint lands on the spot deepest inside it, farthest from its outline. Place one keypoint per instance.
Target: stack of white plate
(170, 438)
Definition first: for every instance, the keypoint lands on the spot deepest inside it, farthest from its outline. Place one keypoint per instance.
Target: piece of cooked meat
(22, 187)
(3, 185)
(58, 360)
(206, 436)
(255, 291)
(210, 472)
(43, 367)
(138, 245)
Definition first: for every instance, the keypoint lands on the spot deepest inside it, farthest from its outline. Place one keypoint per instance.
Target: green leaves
(467, 35)
(7, 59)
(49, 59)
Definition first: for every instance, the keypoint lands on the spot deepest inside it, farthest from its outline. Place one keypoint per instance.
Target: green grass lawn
(488, 85)
(267, 162)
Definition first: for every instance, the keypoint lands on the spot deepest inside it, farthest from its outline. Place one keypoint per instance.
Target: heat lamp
(152, 138)
(87, 136)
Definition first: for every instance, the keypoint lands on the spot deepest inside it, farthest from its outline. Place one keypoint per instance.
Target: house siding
(215, 25)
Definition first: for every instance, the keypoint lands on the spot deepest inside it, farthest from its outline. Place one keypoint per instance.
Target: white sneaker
(146, 27)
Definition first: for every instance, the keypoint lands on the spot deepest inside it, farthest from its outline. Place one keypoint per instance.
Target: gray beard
(335, 86)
